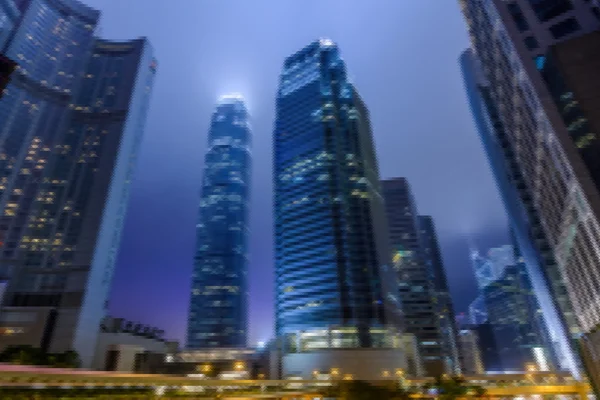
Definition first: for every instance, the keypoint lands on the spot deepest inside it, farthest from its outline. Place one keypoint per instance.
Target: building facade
(445, 306)
(332, 258)
(71, 122)
(515, 317)
(218, 314)
(417, 278)
(525, 222)
(478, 310)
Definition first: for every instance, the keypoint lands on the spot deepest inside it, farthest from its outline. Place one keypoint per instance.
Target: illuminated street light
(385, 373)
(531, 367)
(239, 365)
(348, 377)
(335, 372)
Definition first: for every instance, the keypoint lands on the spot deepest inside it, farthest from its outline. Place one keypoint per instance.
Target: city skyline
(466, 207)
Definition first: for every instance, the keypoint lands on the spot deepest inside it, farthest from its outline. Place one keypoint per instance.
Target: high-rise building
(334, 284)
(483, 269)
(416, 276)
(516, 321)
(478, 310)
(219, 299)
(527, 230)
(445, 306)
(71, 123)
(544, 166)
(500, 258)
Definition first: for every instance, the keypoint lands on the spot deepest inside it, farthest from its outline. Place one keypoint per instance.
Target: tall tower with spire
(218, 315)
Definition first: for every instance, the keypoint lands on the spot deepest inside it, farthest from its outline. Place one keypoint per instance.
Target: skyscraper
(71, 123)
(515, 318)
(417, 278)
(219, 299)
(334, 284)
(445, 307)
(525, 222)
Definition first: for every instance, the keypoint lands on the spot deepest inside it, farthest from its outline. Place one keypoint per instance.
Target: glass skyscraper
(71, 122)
(219, 299)
(333, 272)
(516, 321)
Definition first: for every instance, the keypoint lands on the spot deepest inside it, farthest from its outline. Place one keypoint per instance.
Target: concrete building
(125, 346)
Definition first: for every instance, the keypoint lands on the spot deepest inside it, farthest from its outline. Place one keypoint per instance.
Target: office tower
(484, 273)
(218, 305)
(478, 310)
(71, 122)
(500, 258)
(445, 307)
(416, 277)
(334, 285)
(472, 362)
(514, 315)
(487, 345)
(489, 268)
(523, 214)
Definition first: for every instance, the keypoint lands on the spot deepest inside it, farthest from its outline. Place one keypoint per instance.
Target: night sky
(402, 56)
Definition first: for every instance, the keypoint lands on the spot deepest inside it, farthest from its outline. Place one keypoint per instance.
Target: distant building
(443, 299)
(71, 123)
(478, 311)
(488, 348)
(218, 314)
(515, 317)
(472, 363)
(416, 275)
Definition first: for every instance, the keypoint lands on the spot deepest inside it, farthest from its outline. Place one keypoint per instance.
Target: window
(518, 17)
(548, 9)
(564, 28)
(531, 43)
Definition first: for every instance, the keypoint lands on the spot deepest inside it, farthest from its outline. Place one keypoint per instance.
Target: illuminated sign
(11, 331)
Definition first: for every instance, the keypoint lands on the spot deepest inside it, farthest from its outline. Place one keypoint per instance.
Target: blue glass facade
(219, 299)
(332, 254)
(71, 122)
(528, 236)
(515, 317)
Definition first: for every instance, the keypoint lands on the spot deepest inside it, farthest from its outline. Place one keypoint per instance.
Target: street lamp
(239, 365)
(530, 367)
(206, 368)
(335, 372)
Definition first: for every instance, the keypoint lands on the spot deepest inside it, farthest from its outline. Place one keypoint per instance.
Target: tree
(28, 355)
